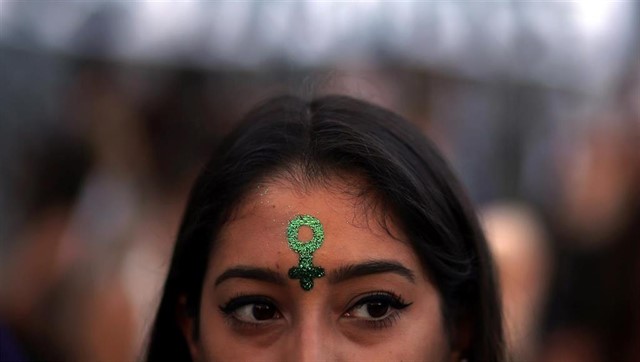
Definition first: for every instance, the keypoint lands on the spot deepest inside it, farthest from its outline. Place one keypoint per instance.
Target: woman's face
(374, 302)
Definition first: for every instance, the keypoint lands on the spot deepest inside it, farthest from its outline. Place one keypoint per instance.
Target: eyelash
(396, 302)
(240, 301)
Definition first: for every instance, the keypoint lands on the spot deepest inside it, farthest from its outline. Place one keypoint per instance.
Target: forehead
(352, 223)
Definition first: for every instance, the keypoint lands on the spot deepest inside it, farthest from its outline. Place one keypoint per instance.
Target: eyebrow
(351, 271)
(339, 275)
(254, 273)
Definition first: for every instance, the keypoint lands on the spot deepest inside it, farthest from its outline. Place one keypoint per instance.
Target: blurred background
(108, 110)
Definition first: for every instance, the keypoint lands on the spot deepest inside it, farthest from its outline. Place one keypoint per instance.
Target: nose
(310, 340)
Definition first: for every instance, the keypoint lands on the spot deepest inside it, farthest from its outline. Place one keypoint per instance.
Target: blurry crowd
(91, 200)
(96, 203)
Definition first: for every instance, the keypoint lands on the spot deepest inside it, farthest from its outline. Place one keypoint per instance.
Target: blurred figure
(36, 258)
(107, 212)
(177, 125)
(524, 264)
(594, 311)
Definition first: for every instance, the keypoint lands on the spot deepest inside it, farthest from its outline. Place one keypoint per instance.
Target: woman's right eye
(251, 310)
(256, 313)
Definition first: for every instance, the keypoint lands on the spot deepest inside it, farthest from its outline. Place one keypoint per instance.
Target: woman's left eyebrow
(351, 271)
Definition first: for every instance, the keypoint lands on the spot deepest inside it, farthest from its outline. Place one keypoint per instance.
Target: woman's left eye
(371, 310)
(377, 306)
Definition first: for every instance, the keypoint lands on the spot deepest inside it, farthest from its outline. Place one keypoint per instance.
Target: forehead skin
(351, 224)
(256, 237)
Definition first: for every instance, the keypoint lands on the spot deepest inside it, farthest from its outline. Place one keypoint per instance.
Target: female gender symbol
(305, 271)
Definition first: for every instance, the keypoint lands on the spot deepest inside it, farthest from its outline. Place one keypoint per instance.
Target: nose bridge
(311, 337)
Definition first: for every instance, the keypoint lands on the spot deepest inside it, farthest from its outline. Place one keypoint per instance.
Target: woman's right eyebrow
(254, 273)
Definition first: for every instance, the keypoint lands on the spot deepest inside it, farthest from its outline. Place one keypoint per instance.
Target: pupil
(263, 312)
(377, 309)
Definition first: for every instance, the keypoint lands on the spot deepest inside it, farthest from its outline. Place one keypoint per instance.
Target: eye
(377, 307)
(251, 310)
(371, 310)
(256, 313)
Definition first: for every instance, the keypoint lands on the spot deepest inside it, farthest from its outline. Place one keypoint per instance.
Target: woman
(329, 230)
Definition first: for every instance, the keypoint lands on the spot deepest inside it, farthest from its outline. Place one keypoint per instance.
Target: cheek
(422, 338)
(215, 342)
(428, 342)
(212, 337)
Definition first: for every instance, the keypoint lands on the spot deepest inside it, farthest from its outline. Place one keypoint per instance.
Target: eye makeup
(373, 310)
(250, 311)
(376, 310)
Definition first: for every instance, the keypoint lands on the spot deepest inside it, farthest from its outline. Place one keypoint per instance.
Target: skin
(325, 323)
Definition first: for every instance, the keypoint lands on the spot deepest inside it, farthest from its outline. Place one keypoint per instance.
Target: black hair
(336, 134)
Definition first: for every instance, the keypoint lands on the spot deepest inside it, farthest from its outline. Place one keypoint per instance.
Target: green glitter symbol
(305, 271)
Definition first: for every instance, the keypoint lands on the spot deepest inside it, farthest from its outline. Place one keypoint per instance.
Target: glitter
(264, 192)
(305, 271)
